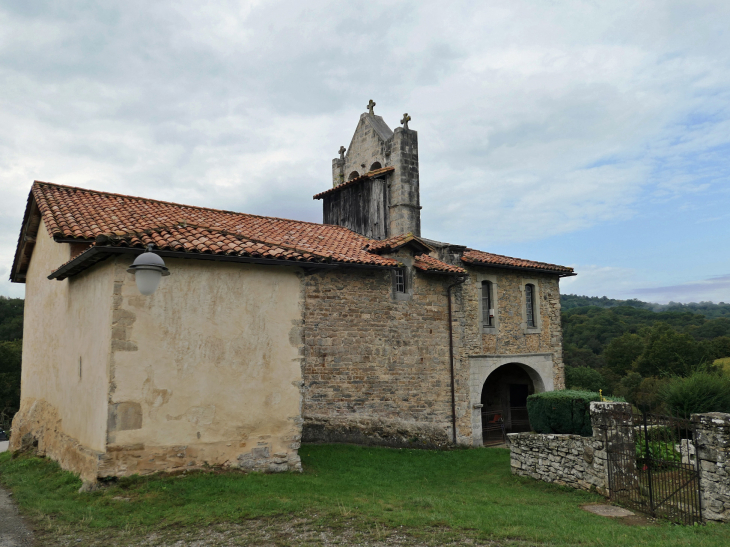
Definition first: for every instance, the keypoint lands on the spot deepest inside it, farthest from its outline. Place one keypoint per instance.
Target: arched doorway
(504, 401)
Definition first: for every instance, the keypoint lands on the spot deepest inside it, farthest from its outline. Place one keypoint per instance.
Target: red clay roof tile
(125, 221)
(430, 264)
(366, 176)
(71, 212)
(472, 256)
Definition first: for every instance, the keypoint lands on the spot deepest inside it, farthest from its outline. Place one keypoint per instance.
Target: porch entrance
(504, 403)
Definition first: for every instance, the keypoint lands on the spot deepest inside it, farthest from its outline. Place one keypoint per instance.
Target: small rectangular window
(400, 280)
(530, 305)
(487, 308)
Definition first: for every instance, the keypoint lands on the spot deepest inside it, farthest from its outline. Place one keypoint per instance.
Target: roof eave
(96, 254)
(559, 273)
(26, 239)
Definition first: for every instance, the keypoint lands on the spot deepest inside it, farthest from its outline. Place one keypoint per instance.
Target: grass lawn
(449, 494)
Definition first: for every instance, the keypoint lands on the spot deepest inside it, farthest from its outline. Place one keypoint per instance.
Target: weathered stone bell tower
(375, 181)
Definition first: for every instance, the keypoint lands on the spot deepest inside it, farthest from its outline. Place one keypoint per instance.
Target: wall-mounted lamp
(148, 268)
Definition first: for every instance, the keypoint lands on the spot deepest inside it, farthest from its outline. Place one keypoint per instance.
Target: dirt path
(13, 531)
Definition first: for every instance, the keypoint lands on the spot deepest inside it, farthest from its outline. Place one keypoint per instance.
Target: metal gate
(652, 465)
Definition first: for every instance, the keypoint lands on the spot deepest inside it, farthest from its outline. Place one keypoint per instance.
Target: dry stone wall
(568, 460)
(572, 460)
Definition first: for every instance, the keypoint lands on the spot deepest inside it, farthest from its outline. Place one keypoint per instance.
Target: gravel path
(13, 531)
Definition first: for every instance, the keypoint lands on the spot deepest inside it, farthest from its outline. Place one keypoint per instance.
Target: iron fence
(652, 465)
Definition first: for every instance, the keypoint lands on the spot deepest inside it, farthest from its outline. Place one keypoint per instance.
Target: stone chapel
(272, 332)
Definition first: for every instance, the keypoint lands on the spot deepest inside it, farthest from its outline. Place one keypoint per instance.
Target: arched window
(353, 175)
(375, 166)
(530, 305)
(487, 304)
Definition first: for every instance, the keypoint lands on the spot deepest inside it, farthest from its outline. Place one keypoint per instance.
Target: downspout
(459, 281)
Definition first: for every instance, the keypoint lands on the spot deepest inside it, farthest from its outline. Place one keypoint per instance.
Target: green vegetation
(699, 392)
(435, 495)
(636, 349)
(708, 309)
(11, 332)
(566, 411)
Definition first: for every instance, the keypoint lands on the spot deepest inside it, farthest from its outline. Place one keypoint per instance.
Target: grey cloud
(714, 289)
(542, 118)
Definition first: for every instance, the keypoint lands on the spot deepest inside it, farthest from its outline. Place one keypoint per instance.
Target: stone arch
(375, 165)
(353, 175)
(536, 371)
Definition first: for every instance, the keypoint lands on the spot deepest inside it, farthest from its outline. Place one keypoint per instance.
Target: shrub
(700, 392)
(566, 411)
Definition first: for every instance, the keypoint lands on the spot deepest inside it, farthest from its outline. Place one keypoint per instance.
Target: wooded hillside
(11, 332)
(630, 347)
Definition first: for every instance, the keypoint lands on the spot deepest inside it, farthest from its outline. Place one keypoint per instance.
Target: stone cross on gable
(342, 152)
(405, 120)
(371, 105)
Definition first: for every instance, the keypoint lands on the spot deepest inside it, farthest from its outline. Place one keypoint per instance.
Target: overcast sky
(590, 134)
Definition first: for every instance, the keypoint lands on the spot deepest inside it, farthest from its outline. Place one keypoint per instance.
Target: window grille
(400, 280)
(487, 319)
(529, 304)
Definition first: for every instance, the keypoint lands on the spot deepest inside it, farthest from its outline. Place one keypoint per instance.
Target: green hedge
(566, 411)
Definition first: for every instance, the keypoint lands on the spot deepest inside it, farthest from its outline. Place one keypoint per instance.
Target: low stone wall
(571, 460)
(568, 460)
(713, 451)
(581, 462)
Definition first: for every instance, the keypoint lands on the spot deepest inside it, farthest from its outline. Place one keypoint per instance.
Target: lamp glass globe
(147, 280)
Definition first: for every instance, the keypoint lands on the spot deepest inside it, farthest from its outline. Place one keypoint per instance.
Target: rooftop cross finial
(371, 105)
(405, 120)
(342, 152)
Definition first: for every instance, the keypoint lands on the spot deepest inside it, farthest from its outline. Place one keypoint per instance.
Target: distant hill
(709, 309)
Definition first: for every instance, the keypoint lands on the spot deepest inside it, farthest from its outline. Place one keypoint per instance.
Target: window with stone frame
(399, 280)
(487, 304)
(530, 305)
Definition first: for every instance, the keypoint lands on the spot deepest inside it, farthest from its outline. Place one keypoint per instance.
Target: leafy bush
(566, 411)
(700, 392)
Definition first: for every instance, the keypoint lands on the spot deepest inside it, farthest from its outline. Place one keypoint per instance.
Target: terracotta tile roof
(396, 242)
(430, 264)
(114, 221)
(121, 220)
(366, 176)
(472, 256)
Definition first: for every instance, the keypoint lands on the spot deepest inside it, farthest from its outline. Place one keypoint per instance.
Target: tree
(669, 353)
(583, 379)
(621, 352)
(10, 358)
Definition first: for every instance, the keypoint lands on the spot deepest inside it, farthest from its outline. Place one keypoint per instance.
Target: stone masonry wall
(376, 368)
(572, 460)
(568, 460)
(713, 451)
(512, 338)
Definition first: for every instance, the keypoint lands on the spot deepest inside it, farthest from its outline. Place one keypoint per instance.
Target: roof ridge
(227, 211)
